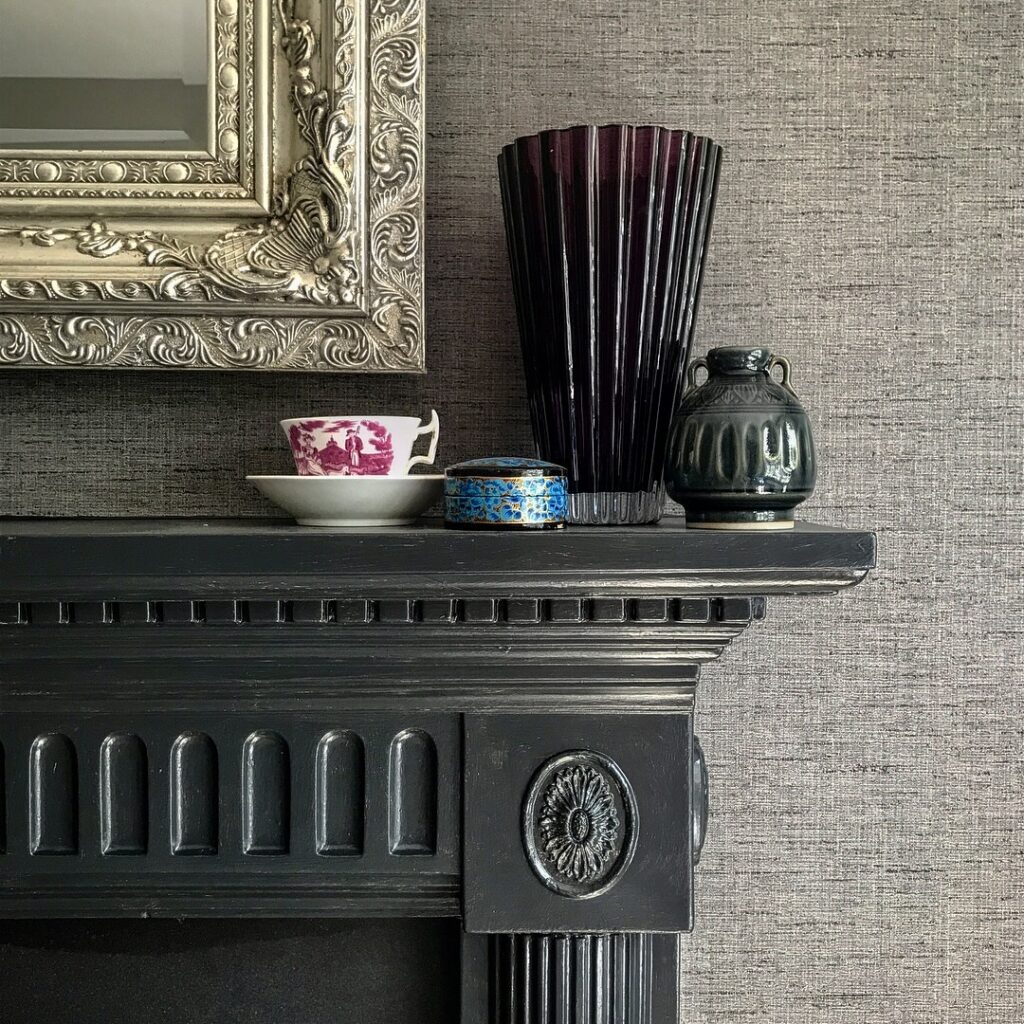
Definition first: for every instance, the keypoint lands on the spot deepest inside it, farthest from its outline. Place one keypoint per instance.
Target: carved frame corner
(329, 279)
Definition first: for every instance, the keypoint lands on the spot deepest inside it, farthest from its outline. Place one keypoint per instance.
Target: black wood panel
(209, 809)
(503, 891)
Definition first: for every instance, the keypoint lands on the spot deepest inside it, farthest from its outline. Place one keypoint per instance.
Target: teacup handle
(432, 429)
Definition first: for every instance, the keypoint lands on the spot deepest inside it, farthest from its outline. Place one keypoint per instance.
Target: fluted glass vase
(608, 229)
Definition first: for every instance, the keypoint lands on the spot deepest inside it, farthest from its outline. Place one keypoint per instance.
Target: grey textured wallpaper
(865, 862)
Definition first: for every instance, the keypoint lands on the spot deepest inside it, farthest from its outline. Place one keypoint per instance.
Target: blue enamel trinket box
(505, 493)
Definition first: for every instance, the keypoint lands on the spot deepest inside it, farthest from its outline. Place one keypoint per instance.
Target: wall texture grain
(865, 860)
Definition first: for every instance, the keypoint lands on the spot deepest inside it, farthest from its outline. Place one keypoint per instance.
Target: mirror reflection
(128, 75)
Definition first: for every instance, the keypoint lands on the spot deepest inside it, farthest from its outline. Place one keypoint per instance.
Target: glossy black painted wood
(107, 559)
(503, 753)
(236, 819)
(250, 719)
(569, 979)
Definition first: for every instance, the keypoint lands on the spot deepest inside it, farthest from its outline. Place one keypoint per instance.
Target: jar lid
(504, 466)
(734, 359)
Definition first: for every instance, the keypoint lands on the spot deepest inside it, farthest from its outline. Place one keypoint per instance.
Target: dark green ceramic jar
(740, 454)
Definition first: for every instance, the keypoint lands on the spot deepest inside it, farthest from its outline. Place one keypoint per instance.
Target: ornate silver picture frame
(293, 243)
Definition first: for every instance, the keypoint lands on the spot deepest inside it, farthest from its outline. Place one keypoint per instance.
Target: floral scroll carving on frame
(330, 276)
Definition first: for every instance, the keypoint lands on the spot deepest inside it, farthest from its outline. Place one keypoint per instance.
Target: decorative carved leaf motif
(231, 343)
(16, 344)
(578, 824)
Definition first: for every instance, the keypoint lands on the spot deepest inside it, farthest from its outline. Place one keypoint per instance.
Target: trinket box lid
(504, 466)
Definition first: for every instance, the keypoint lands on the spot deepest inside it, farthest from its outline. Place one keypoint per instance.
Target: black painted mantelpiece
(247, 718)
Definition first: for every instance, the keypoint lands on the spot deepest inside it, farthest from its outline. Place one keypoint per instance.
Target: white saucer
(351, 500)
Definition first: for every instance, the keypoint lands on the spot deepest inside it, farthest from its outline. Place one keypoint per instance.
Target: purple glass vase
(608, 228)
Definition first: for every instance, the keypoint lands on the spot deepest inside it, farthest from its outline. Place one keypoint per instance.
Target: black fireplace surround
(462, 766)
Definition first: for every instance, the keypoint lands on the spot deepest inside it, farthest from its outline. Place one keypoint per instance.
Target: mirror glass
(104, 75)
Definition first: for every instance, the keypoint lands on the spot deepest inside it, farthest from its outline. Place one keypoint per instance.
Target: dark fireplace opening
(204, 971)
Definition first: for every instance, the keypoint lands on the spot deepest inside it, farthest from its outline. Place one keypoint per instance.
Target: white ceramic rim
(366, 416)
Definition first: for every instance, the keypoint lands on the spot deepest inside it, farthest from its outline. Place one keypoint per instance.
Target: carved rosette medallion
(579, 823)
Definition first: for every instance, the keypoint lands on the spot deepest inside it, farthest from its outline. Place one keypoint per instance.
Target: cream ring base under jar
(786, 524)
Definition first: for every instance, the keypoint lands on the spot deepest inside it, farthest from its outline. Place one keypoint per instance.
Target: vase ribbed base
(616, 508)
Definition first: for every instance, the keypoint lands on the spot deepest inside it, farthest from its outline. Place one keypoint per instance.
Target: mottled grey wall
(865, 859)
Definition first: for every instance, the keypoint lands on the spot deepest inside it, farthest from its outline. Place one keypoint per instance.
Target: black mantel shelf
(247, 718)
(47, 559)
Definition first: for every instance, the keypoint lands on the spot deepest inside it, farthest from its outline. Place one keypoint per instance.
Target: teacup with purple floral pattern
(359, 445)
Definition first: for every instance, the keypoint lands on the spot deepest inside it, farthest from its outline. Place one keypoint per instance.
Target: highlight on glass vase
(608, 230)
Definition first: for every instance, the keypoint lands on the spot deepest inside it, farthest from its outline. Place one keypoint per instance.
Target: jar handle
(691, 373)
(784, 363)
